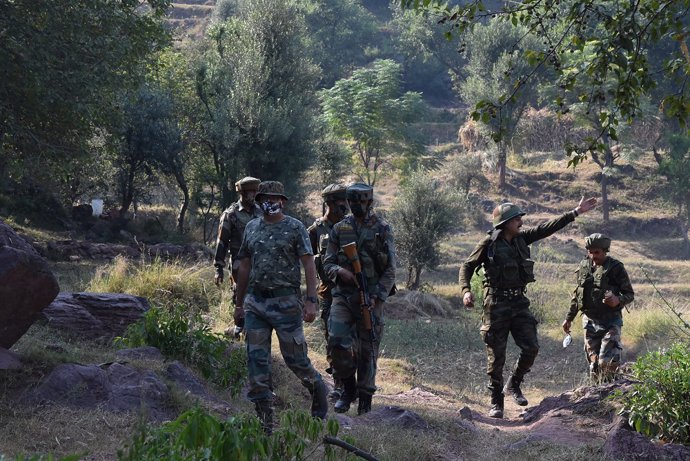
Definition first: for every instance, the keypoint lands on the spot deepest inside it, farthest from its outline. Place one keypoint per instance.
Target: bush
(187, 337)
(197, 435)
(658, 405)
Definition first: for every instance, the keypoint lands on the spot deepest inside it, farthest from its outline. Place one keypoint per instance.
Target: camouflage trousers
(503, 317)
(353, 350)
(603, 345)
(284, 315)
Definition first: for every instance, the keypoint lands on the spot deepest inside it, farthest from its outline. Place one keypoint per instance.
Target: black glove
(218, 279)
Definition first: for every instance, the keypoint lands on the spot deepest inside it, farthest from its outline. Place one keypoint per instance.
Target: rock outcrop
(27, 286)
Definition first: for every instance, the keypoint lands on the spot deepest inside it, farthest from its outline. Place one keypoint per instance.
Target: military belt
(508, 292)
(277, 293)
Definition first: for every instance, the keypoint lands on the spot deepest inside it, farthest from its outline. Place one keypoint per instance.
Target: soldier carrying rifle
(363, 281)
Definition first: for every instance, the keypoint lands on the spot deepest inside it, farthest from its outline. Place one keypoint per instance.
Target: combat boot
(513, 388)
(264, 411)
(496, 410)
(364, 405)
(319, 400)
(348, 395)
(337, 390)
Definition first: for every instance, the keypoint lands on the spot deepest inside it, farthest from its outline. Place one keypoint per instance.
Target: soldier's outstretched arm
(467, 271)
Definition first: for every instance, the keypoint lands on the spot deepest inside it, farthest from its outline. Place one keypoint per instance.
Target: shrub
(197, 435)
(185, 336)
(658, 405)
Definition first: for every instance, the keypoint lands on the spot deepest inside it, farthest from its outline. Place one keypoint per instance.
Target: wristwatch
(311, 299)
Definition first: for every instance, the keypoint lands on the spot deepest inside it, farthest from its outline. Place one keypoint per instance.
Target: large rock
(626, 444)
(95, 315)
(27, 286)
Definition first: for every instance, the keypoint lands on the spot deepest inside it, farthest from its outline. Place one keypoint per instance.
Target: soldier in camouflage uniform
(230, 231)
(354, 349)
(603, 289)
(268, 298)
(505, 256)
(335, 209)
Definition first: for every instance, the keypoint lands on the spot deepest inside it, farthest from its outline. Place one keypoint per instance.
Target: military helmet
(334, 192)
(598, 240)
(271, 188)
(247, 183)
(505, 212)
(360, 191)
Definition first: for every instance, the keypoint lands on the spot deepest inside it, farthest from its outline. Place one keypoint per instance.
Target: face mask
(271, 208)
(357, 210)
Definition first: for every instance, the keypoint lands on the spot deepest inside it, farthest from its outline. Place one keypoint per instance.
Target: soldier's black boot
(364, 405)
(348, 395)
(264, 411)
(319, 400)
(513, 388)
(337, 390)
(496, 410)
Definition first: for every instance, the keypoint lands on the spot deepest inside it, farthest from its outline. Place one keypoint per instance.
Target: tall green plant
(658, 404)
(197, 435)
(185, 336)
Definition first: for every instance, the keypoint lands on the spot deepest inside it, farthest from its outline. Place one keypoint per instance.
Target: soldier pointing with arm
(505, 256)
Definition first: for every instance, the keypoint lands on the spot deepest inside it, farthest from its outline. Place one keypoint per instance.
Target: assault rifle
(368, 316)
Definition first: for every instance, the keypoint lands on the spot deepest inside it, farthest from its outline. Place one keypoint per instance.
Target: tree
(422, 215)
(148, 139)
(256, 87)
(675, 167)
(369, 111)
(620, 36)
(491, 51)
(63, 65)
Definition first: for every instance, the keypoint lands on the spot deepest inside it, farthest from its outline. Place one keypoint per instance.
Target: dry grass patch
(413, 304)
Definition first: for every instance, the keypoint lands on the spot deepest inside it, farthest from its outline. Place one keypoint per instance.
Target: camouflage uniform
(231, 228)
(273, 302)
(353, 349)
(508, 269)
(602, 324)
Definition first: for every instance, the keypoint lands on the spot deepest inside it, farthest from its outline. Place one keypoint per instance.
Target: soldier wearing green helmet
(334, 209)
(230, 231)
(603, 289)
(354, 349)
(504, 255)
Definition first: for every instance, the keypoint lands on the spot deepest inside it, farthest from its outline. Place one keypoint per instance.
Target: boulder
(27, 286)
(95, 315)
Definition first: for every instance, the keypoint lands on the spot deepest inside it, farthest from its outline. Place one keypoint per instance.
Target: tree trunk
(413, 276)
(605, 197)
(185, 202)
(501, 167)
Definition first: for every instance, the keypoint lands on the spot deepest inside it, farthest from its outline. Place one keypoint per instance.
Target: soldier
(505, 256)
(603, 289)
(354, 349)
(335, 209)
(230, 232)
(268, 298)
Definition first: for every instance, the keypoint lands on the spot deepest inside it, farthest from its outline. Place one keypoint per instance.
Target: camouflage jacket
(376, 251)
(275, 250)
(508, 264)
(318, 236)
(592, 284)
(231, 229)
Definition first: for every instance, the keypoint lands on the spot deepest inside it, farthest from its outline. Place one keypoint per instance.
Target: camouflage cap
(247, 183)
(505, 212)
(271, 188)
(598, 240)
(360, 191)
(334, 192)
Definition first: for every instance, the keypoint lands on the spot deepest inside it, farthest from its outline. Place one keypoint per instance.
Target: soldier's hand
(218, 279)
(586, 204)
(468, 299)
(566, 326)
(309, 313)
(346, 276)
(611, 300)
